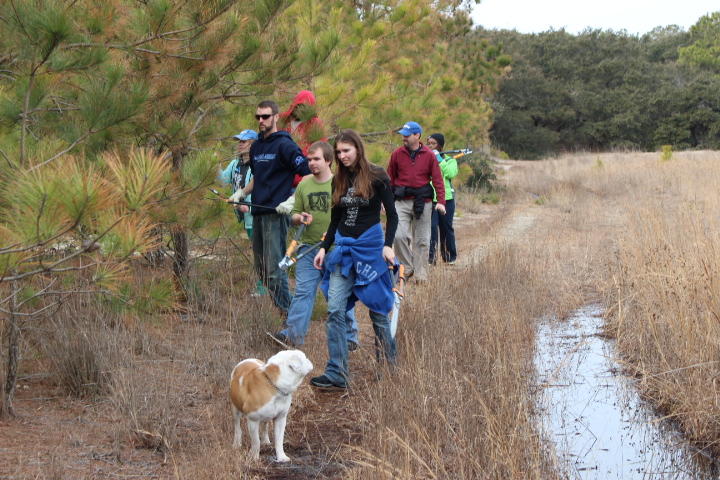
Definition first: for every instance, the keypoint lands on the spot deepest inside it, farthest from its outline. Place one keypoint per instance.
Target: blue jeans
(307, 279)
(443, 225)
(337, 366)
(268, 242)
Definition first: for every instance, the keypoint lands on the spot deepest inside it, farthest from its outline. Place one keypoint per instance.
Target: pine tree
(67, 206)
(391, 61)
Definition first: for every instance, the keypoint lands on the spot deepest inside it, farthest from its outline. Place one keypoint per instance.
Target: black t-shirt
(354, 215)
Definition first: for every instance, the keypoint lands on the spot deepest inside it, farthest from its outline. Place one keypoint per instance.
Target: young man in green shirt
(313, 202)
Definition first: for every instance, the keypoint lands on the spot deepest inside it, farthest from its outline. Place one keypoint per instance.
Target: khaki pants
(412, 240)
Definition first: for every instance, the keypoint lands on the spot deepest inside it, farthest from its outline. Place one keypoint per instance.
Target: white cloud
(635, 16)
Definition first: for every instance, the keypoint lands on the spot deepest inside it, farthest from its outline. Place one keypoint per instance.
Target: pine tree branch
(7, 159)
(26, 103)
(78, 140)
(130, 47)
(11, 249)
(227, 96)
(198, 122)
(52, 268)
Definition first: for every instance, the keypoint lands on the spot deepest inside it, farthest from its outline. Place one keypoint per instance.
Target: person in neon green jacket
(442, 225)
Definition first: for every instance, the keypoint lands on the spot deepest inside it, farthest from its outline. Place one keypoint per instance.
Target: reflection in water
(593, 415)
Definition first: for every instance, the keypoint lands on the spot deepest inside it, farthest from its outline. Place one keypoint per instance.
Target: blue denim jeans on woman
(307, 279)
(337, 366)
(268, 243)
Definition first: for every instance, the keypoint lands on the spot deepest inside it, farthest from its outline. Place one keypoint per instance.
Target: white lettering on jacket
(366, 271)
(265, 157)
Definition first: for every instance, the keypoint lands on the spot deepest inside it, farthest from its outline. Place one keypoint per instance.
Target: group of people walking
(343, 248)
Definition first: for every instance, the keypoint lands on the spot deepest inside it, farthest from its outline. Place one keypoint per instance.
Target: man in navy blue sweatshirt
(274, 160)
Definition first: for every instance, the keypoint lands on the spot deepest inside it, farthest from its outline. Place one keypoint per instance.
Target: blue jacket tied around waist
(373, 281)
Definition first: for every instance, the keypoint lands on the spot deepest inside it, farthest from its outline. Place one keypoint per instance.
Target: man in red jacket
(411, 169)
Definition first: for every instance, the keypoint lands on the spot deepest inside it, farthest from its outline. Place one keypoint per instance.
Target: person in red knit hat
(301, 121)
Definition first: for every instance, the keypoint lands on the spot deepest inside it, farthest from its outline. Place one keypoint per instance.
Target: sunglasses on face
(264, 116)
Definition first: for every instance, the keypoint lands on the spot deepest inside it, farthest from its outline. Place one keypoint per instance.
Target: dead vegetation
(656, 226)
(145, 393)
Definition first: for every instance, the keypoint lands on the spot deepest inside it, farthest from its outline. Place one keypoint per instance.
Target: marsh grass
(459, 404)
(659, 222)
(663, 291)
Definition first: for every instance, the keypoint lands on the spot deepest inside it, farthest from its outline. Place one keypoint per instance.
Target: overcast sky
(635, 16)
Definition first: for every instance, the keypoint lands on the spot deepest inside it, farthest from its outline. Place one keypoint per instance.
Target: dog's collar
(279, 390)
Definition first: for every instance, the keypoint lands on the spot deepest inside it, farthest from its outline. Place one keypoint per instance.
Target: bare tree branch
(32, 314)
(40, 293)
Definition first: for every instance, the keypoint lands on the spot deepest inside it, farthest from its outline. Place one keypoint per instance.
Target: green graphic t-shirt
(314, 198)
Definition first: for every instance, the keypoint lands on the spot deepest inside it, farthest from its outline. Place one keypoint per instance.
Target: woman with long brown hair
(357, 268)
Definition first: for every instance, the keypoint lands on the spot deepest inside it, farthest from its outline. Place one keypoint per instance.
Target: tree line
(604, 90)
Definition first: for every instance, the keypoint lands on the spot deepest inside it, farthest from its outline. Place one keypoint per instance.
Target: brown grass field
(106, 394)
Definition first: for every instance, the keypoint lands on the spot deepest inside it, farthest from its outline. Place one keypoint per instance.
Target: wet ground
(593, 415)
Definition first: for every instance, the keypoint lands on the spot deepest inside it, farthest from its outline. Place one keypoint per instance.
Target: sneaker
(260, 290)
(451, 262)
(324, 382)
(352, 346)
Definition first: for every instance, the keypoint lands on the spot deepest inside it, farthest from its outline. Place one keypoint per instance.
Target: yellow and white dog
(262, 392)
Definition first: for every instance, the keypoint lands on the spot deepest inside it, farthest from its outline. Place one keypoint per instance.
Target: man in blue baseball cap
(412, 168)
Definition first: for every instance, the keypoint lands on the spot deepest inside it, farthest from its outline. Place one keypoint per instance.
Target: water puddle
(598, 424)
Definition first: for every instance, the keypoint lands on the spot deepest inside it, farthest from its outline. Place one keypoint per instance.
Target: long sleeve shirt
(354, 215)
(406, 171)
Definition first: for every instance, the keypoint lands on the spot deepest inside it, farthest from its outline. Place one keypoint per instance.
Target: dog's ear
(297, 364)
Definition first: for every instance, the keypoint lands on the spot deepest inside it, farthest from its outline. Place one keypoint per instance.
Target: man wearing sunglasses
(274, 160)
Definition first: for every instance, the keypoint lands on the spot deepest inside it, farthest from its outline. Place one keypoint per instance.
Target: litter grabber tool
(457, 153)
(294, 260)
(289, 258)
(222, 197)
(398, 294)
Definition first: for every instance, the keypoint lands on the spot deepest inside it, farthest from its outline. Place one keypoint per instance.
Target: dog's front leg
(254, 433)
(237, 415)
(279, 436)
(265, 432)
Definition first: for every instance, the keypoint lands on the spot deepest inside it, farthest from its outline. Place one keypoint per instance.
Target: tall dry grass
(459, 406)
(462, 403)
(659, 222)
(663, 288)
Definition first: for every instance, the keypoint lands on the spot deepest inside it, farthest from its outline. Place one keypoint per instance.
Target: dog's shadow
(303, 464)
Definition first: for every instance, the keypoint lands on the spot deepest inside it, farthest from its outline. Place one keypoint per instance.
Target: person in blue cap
(412, 168)
(237, 174)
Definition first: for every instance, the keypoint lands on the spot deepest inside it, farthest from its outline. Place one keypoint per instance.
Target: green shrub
(483, 174)
(667, 152)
